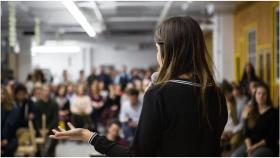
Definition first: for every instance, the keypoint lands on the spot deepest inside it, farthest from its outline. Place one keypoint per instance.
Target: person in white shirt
(241, 100)
(228, 138)
(80, 107)
(236, 102)
(130, 113)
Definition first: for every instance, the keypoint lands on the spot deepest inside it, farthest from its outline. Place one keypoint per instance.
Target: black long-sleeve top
(169, 124)
(267, 128)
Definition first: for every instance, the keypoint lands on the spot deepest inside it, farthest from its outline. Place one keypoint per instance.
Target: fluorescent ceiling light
(79, 16)
(55, 49)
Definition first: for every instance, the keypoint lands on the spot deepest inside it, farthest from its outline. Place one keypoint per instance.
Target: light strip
(79, 16)
(55, 49)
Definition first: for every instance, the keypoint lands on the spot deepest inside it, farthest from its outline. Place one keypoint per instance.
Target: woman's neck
(110, 137)
(186, 76)
(263, 109)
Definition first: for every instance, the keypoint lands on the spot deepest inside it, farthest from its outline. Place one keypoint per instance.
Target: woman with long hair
(96, 102)
(8, 144)
(184, 112)
(63, 105)
(249, 75)
(261, 127)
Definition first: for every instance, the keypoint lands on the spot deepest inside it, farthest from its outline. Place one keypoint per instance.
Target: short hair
(20, 87)
(113, 121)
(132, 92)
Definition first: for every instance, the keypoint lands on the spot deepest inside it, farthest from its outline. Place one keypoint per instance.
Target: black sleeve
(147, 134)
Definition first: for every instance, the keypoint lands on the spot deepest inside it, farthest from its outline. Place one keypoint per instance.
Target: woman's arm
(248, 142)
(259, 144)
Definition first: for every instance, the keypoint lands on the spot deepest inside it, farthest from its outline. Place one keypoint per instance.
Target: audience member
(82, 79)
(92, 76)
(248, 76)
(96, 102)
(6, 108)
(48, 107)
(261, 127)
(111, 105)
(230, 138)
(81, 108)
(63, 106)
(130, 114)
(103, 76)
(112, 133)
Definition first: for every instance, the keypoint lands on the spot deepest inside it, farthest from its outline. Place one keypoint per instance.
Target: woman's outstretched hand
(72, 134)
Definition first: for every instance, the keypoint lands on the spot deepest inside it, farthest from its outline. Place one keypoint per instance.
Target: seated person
(63, 105)
(7, 107)
(23, 111)
(96, 102)
(49, 107)
(230, 138)
(112, 133)
(130, 114)
(261, 127)
(81, 108)
(111, 105)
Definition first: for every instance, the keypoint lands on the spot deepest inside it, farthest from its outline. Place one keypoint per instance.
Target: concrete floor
(75, 149)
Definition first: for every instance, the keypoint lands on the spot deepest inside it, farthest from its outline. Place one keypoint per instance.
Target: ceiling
(109, 17)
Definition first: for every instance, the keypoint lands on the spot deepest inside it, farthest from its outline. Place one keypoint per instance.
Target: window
(268, 61)
(238, 67)
(252, 47)
(277, 44)
(261, 61)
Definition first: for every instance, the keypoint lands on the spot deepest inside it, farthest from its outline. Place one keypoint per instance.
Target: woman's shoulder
(273, 112)
(154, 90)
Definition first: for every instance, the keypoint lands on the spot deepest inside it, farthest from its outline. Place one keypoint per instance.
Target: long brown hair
(254, 113)
(7, 101)
(183, 51)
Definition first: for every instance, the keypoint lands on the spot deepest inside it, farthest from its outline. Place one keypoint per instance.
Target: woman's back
(173, 109)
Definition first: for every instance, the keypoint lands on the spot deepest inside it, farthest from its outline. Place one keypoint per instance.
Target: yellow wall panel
(259, 16)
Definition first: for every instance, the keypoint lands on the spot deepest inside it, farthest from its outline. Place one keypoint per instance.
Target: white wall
(24, 57)
(128, 53)
(104, 52)
(223, 46)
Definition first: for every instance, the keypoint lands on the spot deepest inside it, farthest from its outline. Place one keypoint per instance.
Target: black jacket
(169, 124)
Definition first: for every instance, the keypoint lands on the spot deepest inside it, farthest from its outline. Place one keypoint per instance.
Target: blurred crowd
(110, 103)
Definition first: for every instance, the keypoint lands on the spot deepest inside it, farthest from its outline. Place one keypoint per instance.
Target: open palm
(72, 134)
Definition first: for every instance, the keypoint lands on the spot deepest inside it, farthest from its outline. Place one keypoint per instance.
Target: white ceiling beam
(164, 11)
(109, 5)
(97, 11)
(79, 17)
(132, 19)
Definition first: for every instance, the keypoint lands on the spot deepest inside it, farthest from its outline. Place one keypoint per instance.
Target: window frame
(249, 47)
(277, 45)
